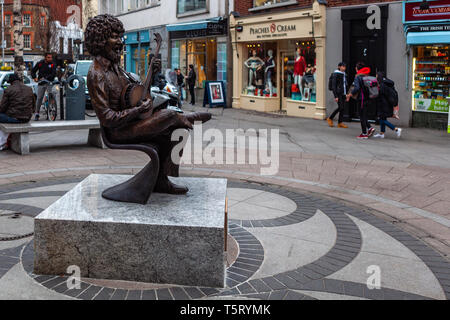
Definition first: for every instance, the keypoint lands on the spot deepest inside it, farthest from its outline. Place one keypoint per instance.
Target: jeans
(384, 123)
(192, 93)
(4, 118)
(340, 109)
(40, 95)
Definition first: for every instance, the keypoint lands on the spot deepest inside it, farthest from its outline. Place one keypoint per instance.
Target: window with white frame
(184, 6)
(263, 3)
(27, 41)
(27, 20)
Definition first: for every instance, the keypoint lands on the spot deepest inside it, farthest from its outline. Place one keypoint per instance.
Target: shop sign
(431, 105)
(428, 28)
(300, 28)
(438, 10)
(212, 29)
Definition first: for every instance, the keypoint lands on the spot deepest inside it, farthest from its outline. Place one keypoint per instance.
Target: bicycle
(49, 101)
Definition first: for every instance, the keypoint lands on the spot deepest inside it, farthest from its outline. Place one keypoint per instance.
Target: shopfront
(202, 44)
(279, 62)
(136, 53)
(427, 31)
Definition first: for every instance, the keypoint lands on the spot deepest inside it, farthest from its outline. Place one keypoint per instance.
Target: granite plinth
(174, 239)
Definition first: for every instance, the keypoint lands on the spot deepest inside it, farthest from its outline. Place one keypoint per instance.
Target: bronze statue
(127, 125)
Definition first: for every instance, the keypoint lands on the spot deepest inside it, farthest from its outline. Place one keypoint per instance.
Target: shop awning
(195, 25)
(434, 37)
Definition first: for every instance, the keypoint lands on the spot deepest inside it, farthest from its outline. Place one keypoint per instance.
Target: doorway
(365, 45)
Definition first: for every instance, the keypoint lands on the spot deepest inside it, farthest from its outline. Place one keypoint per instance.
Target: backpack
(330, 82)
(371, 84)
(391, 95)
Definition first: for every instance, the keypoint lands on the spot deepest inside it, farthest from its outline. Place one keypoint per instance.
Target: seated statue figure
(124, 124)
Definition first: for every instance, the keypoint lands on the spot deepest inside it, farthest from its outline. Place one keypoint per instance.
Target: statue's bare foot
(167, 186)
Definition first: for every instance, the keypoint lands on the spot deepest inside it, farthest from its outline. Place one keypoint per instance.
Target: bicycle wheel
(52, 109)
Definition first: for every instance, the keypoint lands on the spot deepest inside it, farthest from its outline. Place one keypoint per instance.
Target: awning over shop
(195, 25)
(434, 37)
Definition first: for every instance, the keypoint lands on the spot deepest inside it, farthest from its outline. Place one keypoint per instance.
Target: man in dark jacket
(340, 88)
(17, 105)
(191, 82)
(43, 70)
(17, 102)
(363, 99)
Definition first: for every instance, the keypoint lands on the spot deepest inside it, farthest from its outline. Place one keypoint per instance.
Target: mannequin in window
(252, 64)
(299, 68)
(270, 65)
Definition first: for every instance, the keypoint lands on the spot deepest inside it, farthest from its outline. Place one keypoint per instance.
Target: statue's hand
(146, 106)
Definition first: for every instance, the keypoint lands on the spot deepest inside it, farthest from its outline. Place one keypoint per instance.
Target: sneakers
(379, 136)
(341, 125)
(398, 132)
(36, 117)
(370, 132)
(362, 136)
(330, 122)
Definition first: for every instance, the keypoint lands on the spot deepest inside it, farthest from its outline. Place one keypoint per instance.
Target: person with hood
(387, 100)
(359, 89)
(340, 88)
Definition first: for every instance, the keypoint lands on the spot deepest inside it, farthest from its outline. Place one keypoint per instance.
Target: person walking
(339, 88)
(387, 100)
(358, 88)
(17, 105)
(191, 77)
(43, 70)
(180, 84)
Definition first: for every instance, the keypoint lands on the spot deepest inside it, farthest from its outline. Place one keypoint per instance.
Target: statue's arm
(99, 92)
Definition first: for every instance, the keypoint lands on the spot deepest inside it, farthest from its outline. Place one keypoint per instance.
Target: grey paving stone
(309, 273)
(54, 282)
(316, 285)
(257, 223)
(134, 295)
(246, 288)
(259, 285)
(298, 276)
(354, 289)
(324, 271)
(119, 294)
(241, 272)
(391, 294)
(334, 286)
(231, 292)
(179, 294)
(105, 294)
(148, 295)
(194, 292)
(261, 296)
(258, 257)
(288, 281)
(209, 291)
(75, 292)
(278, 295)
(230, 283)
(61, 288)
(236, 277)
(292, 295)
(43, 278)
(273, 283)
(247, 224)
(245, 266)
(163, 294)
(374, 294)
(249, 261)
(90, 293)
(411, 296)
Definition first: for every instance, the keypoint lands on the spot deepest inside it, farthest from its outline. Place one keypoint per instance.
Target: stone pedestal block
(174, 239)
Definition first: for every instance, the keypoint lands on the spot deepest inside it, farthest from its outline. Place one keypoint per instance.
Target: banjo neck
(148, 79)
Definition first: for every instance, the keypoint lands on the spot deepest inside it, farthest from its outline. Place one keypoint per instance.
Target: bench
(20, 142)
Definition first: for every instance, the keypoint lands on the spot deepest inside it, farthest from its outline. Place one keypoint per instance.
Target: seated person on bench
(16, 106)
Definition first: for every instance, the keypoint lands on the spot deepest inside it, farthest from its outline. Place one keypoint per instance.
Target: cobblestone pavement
(336, 207)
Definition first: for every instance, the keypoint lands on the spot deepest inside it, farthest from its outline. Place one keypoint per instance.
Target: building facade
(279, 56)
(193, 32)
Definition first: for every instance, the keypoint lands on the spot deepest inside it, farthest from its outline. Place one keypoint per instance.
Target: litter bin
(75, 98)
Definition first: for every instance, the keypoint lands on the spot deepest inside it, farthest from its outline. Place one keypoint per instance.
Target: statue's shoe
(170, 188)
(198, 116)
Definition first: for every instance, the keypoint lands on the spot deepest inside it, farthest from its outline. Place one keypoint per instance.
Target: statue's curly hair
(99, 30)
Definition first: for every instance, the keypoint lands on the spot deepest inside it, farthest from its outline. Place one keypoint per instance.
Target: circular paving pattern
(359, 239)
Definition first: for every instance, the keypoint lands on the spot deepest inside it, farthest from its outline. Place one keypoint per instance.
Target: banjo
(134, 93)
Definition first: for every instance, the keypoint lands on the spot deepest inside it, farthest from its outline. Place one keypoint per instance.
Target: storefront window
(139, 61)
(431, 78)
(222, 61)
(261, 3)
(259, 69)
(190, 5)
(299, 71)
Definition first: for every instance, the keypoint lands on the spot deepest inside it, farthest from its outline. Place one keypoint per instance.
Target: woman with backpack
(387, 100)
